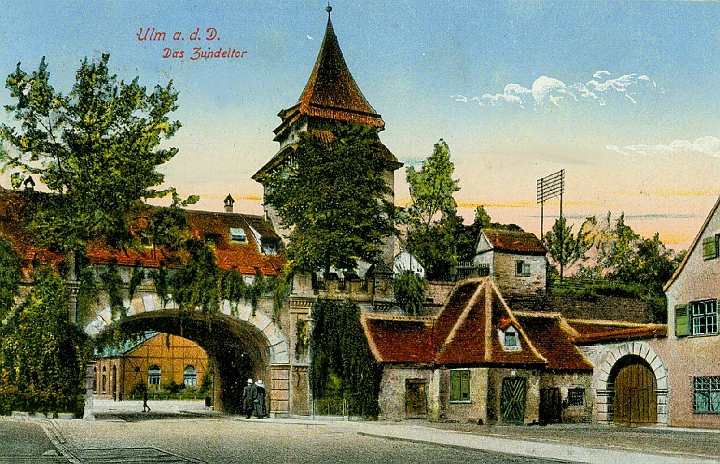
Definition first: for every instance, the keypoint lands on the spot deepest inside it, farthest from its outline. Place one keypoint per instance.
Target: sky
(621, 95)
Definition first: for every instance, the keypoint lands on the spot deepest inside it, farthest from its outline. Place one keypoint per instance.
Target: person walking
(260, 399)
(249, 394)
(146, 408)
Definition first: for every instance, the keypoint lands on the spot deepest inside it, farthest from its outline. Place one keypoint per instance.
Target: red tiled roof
(553, 338)
(512, 241)
(331, 92)
(462, 333)
(590, 331)
(246, 257)
(405, 340)
(473, 342)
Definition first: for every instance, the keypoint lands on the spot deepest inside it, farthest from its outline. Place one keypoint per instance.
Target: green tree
(98, 146)
(564, 247)
(467, 236)
(42, 354)
(333, 197)
(409, 292)
(431, 219)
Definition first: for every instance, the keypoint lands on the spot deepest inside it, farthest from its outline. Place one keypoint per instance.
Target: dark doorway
(634, 392)
(415, 398)
(550, 406)
(512, 400)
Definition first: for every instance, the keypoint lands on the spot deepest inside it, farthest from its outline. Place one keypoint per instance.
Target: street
(187, 432)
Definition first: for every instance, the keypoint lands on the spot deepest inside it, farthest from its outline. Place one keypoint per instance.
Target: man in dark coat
(249, 395)
(260, 399)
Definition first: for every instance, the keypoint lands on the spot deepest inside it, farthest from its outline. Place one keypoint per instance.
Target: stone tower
(331, 97)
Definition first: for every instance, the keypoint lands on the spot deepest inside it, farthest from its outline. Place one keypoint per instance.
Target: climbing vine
(343, 366)
(136, 278)
(162, 287)
(114, 286)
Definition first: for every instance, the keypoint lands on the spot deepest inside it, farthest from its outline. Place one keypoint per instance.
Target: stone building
(514, 259)
(480, 361)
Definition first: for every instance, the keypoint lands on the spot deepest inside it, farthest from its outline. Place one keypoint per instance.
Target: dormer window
(509, 339)
(237, 234)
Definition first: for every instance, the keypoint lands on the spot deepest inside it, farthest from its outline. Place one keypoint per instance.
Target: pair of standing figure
(254, 399)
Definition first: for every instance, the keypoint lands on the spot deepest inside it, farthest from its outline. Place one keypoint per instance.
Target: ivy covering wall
(42, 354)
(343, 367)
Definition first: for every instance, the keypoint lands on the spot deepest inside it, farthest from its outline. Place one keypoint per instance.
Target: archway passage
(634, 392)
(236, 349)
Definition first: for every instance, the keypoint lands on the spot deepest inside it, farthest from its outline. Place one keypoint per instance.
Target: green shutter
(682, 321)
(465, 387)
(454, 386)
(710, 250)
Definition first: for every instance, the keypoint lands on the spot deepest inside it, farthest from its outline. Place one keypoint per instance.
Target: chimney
(229, 203)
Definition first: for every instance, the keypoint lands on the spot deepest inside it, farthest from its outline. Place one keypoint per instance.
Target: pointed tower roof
(331, 92)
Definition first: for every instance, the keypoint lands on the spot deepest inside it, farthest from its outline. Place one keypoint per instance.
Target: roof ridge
(460, 320)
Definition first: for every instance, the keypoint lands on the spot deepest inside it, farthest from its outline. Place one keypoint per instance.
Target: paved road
(22, 442)
(228, 440)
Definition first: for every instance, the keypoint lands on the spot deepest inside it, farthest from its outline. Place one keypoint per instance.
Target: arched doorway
(634, 391)
(236, 350)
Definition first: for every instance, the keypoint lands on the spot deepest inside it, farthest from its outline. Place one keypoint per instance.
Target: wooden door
(415, 399)
(550, 406)
(635, 399)
(512, 400)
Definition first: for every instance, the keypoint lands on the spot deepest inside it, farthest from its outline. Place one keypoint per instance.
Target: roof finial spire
(328, 9)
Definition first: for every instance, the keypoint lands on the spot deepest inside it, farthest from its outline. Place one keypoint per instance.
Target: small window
(509, 339)
(576, 397)
(190, 376)
(460, 385)
(710, 249)
(704, 317)
(154, 375)
(269, 247)
(522, 269)
(706, 395)
(237, 234)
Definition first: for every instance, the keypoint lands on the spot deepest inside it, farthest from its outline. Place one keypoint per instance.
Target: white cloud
(707, 145)
(548, 91)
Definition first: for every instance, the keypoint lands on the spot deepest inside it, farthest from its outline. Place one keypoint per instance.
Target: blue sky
(622, 95)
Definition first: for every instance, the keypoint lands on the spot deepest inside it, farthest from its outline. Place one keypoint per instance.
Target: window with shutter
(460, 385)
(682, 322)
(710, 250)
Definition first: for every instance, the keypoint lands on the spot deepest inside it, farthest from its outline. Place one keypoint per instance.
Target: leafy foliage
(10, 276)
(98, 146)
(343, 366)
(564, 247)
(196, 283)
(410, 292)
(42, 357)
(431, 218)
(333, 198)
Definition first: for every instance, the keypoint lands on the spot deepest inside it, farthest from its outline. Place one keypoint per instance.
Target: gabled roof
(16, 207)
(331, 92)
(694, 245)
(596, 331)
(511, 241)
(465, 332)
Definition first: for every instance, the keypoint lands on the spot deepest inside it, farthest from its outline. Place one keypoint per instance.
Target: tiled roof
(553, 338)
(590, 332)
(331, 91)
(512, 241)
(465, 332)
(246, 257)
(399, 340)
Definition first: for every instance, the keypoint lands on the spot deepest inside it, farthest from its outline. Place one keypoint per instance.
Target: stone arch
(260, 337)
(605, 369)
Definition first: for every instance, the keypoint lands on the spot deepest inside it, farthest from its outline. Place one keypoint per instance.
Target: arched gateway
(242, 344)
(631, 385)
